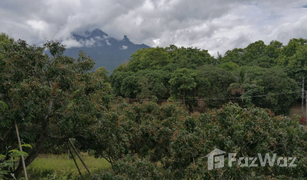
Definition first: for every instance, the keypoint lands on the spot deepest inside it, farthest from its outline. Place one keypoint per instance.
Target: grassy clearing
(63, 165)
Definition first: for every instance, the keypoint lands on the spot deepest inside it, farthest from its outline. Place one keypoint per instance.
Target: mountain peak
(98, 32)
(105, 50)
(126, 38)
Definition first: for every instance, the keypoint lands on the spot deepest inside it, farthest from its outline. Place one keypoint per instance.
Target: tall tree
(51, 98)
(152, 58)
(183, 83)
(241, 80)
(214, 84)
(280, 91)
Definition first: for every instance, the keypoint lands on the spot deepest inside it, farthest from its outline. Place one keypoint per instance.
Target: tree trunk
(34, 153)
(39, 146)
(184, 98)
(20, 148)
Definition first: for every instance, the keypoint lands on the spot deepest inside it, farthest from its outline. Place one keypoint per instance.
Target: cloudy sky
(215, 25)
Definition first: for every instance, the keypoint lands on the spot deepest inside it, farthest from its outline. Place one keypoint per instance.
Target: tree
(190, 57)
(255, 54)
(230, 66)
(149, 71)
(234, 55)
(5, 39)
(137, 136)
(152, 58)
(214, 82)
(141, 84)
(117, 79)
(183, 83)
(254, 50)
(152, 83)
(130, 86)
(273, 49)
(52, 99)
(291, 48)
(241, 80)
(280, 90)
(297, 64)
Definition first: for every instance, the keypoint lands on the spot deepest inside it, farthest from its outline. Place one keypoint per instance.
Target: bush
(303, 120)
(132, 167)
(168, 135)
(8, 160)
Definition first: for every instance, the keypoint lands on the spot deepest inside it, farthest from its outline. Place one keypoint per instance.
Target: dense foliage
(55, 97)
(51, 98)
(151, 141)
(191, 73)
(166, 72)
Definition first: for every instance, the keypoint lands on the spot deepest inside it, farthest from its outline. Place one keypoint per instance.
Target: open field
(61, 165)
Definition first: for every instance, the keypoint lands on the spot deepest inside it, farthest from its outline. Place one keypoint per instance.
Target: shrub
(168, 135)
(303, 120)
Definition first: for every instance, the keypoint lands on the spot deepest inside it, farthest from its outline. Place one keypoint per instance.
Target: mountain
(105, 50)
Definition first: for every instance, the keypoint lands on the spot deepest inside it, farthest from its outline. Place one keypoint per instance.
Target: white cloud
(108, 43)
(124, 47)
(214, 25)
(89, 42)
(69, 43)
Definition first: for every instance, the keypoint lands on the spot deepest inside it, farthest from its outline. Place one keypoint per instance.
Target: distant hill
(105, 50)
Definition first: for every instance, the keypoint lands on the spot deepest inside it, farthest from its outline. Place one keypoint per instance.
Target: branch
(59, 137)
(49, 109)
(45, 121)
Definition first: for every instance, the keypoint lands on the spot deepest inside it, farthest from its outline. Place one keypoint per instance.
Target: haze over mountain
(105, 50)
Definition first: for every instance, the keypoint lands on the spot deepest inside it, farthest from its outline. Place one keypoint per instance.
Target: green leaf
(26, 145)
(70, 104)
(16, 153)
(3, 105)
(75, 92)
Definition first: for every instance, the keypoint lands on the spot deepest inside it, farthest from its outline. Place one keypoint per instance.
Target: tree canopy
(51, 98)
(215, 79)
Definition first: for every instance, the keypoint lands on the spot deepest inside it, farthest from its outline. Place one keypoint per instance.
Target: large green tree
(51, 98)
(152, 58)
(255, 54)
(280, 92)
(183, 83)
(213, 83)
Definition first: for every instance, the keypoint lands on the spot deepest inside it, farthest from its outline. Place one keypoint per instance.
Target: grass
(63, 165)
